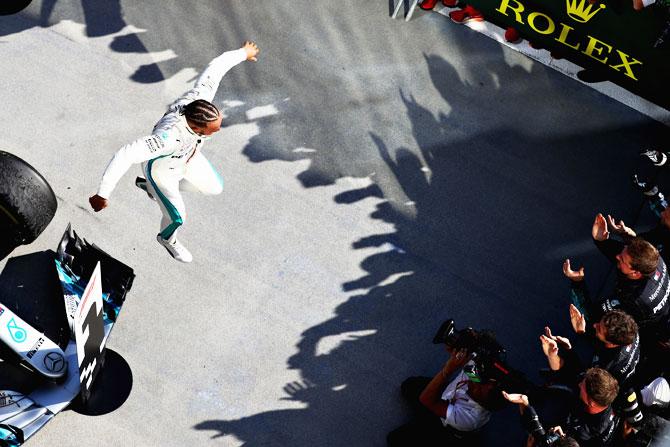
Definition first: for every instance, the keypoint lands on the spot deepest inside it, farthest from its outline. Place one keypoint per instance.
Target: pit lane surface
(380, 177)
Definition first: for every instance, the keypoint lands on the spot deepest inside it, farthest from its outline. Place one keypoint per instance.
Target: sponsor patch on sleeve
(155, 143)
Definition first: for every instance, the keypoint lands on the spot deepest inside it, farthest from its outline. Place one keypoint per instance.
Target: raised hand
(620, 227)
(252, 50)
(599, 230)
(572, 275)
(549, 346)
(563, 341)
(516, 398)
(577, 319)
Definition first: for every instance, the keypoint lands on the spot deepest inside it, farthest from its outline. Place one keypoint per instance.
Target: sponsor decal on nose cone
(35, 348)
(8, 7)
(54, 362)
(17, 332)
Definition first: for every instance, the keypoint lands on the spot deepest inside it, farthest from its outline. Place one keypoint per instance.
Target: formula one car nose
(94, 287)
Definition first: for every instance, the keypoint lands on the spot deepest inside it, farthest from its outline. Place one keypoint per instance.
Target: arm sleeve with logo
(620, 361)
(138, 151)
(207, 84)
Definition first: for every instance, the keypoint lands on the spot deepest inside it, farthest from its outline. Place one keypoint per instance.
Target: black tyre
(27, 202)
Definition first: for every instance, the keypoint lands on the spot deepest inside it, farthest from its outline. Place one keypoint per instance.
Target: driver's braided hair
(201, 112)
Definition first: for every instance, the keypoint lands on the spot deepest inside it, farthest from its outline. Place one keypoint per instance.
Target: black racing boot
(141, 183)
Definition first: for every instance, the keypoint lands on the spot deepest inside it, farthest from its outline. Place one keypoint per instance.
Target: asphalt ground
(380, 177)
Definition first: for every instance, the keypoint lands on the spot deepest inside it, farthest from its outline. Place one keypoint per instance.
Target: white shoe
(175, 248)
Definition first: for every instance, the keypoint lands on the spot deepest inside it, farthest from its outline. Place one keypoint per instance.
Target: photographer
(450, 410)
(537, 435)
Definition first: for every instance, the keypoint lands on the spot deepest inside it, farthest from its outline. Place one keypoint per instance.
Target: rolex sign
(609, 39)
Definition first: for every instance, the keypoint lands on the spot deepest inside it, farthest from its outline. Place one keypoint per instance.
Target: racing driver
(171, 156)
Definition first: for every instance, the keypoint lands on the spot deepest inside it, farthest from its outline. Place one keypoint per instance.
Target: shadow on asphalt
(488, 220)
(487, 215)
(111, 388)
(101, 17)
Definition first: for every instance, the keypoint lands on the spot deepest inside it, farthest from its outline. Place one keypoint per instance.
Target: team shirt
(463, 412)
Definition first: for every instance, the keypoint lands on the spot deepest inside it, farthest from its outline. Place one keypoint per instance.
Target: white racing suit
(171, 156)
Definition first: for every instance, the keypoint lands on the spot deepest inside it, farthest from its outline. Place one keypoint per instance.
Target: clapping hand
(572, 275)
(563, 341)
(549, 346)
(620, 228)
(516, 398)
(599, 230)
(577, 319)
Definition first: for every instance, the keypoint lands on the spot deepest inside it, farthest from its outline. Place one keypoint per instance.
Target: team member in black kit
(642, 285)
(616, 342)
(592, 422)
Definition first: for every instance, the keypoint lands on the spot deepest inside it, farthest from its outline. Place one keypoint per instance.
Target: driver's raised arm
(207, 84)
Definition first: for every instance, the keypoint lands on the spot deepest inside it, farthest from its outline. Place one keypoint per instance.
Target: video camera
(532, 424)
(457, 339)
(489, 357)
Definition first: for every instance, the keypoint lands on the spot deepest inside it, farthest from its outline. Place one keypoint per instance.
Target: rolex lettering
(589, 45)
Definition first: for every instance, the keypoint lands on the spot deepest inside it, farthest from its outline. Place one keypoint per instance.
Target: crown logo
(581, 12)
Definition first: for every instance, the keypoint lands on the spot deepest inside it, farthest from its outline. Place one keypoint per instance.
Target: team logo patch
(657, 275)
(54, 362)
(18, 333)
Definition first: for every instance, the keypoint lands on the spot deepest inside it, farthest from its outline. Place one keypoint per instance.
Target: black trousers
(425, 429)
